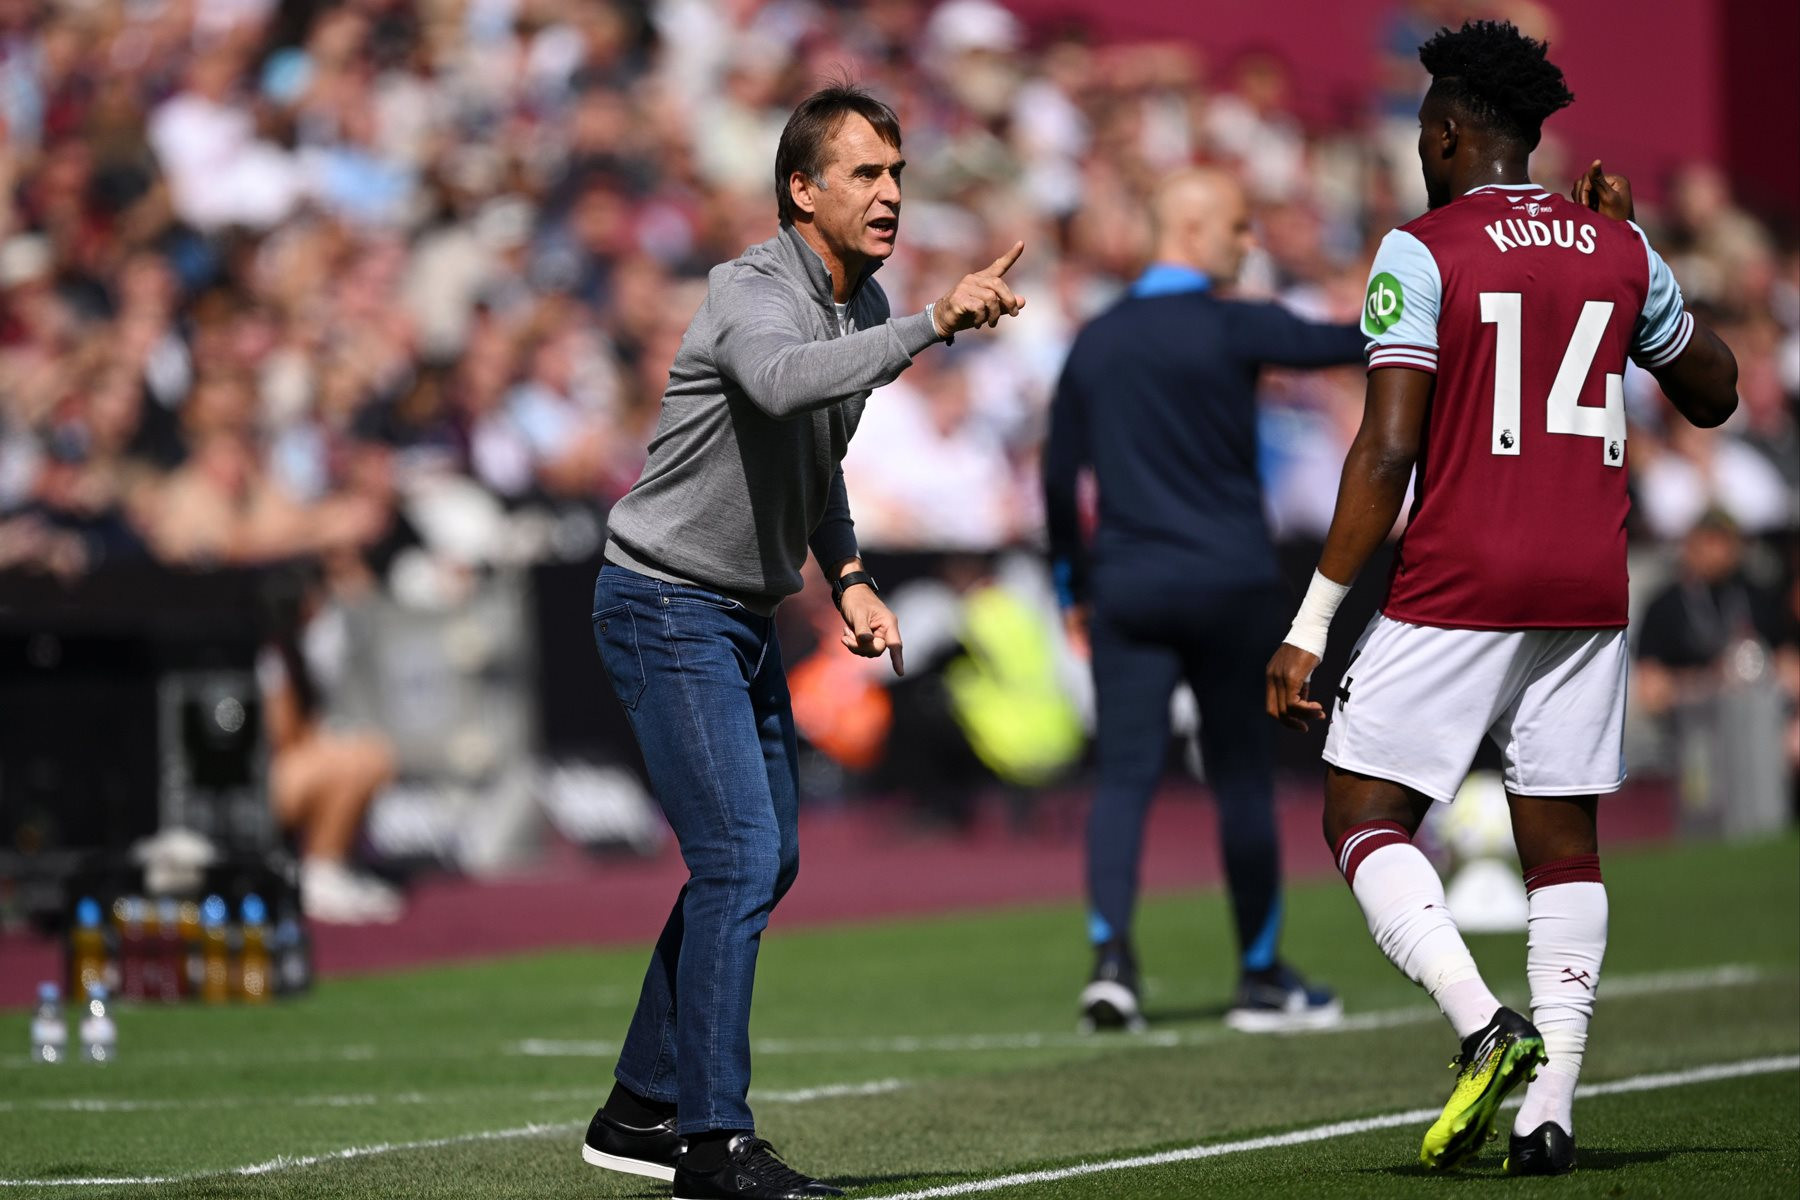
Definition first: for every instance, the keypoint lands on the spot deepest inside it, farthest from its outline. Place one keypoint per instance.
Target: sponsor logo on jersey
(1514, 232)
(1385, 304)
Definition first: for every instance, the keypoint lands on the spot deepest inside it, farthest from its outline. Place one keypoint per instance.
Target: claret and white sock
(1403, 900)
(1567, 941)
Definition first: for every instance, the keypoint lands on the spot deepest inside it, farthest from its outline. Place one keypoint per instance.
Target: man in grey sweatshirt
(742, 480)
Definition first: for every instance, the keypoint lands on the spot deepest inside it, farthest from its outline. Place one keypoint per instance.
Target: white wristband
(1312, 624)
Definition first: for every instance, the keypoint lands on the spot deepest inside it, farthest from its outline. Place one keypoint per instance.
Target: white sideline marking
(1652, 983)
(79, 1104)
(286, 1162)
(82, 1104)
(1319, 1133)
(1638, 1083)
(833, 1091)
(190, 1058)
(1729, 975)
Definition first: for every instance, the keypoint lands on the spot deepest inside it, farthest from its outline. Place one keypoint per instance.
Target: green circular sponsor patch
(1383, 305)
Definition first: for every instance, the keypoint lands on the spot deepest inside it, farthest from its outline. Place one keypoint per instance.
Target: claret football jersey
(1525, 306)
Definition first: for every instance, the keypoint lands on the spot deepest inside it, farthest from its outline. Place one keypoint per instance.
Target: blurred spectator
(1718, 660)
(321, 776)
(968, 500)
(272, 274)
(1697, 469)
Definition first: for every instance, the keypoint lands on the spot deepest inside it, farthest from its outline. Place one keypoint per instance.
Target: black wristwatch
(848, 580)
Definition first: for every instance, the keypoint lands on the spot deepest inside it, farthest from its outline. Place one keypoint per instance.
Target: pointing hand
(981, 298)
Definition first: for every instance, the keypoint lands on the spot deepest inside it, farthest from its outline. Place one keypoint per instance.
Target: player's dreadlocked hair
(1498, 76)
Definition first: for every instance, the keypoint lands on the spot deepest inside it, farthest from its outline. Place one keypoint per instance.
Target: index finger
(1003, 264)
(894, 653)
(1596, 185)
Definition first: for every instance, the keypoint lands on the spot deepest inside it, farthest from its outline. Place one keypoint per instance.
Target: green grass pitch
(926, 1054)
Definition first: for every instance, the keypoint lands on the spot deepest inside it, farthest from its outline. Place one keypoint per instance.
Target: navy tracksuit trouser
(1145, 640)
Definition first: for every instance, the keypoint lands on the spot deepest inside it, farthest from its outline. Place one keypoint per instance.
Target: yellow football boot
(1493, 1061)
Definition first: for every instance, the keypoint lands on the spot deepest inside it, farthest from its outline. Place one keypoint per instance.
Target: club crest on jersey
(1513, 232)
(1385, 304)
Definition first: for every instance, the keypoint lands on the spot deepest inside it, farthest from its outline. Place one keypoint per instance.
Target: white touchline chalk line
(1728, 975)
(286, 1162)
(1319, 1133)
(1639, 1083)
(1653, 983)
(874, 1087)
(1698, 979)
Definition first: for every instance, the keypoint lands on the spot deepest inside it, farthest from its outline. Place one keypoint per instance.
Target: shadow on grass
(1587, 1162)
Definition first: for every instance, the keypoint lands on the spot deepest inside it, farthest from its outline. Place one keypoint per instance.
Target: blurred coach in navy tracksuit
(1159, 398)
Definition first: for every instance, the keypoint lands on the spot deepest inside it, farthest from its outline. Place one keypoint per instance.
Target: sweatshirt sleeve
(834, 540)
(760, 345)
(1269, 333)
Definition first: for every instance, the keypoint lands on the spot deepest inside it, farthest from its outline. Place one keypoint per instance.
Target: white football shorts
(1416, 700)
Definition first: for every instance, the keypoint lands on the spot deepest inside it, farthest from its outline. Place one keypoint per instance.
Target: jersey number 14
(1563, 411)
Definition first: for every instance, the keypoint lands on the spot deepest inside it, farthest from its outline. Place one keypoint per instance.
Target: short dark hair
(813, 125)
(1498, 77)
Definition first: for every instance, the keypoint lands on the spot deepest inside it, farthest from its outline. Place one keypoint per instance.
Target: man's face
(857, 211)
(1226, 236)
(1434, 152)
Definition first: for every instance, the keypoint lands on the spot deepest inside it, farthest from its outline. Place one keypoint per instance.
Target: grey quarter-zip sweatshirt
(765, 393)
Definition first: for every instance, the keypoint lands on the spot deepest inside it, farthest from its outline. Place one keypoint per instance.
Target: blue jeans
(701, 680)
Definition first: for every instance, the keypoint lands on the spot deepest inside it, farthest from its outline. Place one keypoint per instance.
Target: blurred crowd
(395, 286)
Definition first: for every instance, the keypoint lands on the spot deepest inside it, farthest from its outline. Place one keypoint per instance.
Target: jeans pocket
(615, 633)
(702, 599)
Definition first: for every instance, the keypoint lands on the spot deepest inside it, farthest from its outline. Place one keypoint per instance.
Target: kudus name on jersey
(1514, 232)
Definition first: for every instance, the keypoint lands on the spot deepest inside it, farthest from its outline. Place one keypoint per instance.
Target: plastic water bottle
(254, 966)
(292, 948)
(215, 951)
(99, 1036)
(87, 944)
(49, 1032)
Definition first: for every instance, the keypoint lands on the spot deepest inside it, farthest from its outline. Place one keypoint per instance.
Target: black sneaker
(1546, 1150)
(1280, 1001)
(751, 1171)
(1110, 1000)
(650, 1152)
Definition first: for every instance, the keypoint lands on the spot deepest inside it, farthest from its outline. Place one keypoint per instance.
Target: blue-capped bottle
(215, 951)
(88, 958)
(99, 1036)
(49, 1032)
(255, 969)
